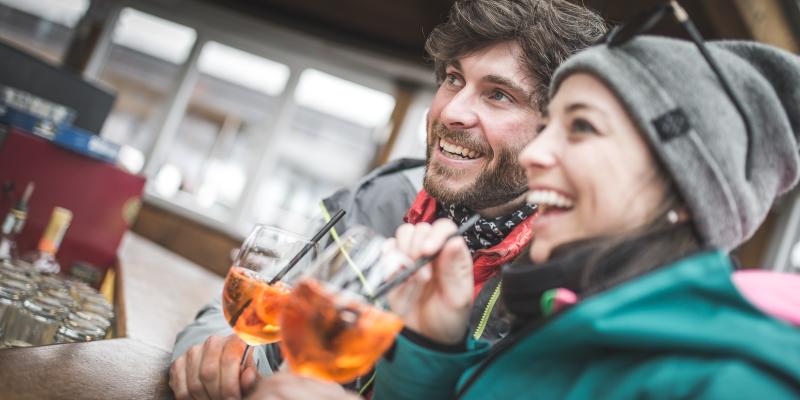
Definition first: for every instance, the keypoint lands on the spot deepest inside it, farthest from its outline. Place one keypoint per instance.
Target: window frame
(212, 23)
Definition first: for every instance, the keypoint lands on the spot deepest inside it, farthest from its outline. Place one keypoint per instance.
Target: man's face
(479, 121)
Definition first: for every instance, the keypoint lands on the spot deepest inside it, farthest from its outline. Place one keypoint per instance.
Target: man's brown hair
(547, 31)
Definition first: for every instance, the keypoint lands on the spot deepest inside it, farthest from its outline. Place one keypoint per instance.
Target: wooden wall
(192, 240)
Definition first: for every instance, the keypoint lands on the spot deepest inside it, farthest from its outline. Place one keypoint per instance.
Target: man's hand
(211, 370)
(436, 301)
(287, 386)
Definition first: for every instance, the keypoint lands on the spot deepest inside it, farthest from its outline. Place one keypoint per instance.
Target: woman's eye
(580, 125)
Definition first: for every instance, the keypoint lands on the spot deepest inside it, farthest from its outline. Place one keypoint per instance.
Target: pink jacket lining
(774, 293)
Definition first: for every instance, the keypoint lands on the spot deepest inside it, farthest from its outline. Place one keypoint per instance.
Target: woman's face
(589, 170)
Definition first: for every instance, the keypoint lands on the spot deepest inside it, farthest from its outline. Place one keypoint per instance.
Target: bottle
(43, 258)
(13, 224)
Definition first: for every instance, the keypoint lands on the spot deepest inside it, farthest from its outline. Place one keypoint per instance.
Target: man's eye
(498, 95)
(452, 79)
(580, 125)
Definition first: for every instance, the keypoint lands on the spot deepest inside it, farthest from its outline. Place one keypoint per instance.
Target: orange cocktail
(332, 339)
(252, 306)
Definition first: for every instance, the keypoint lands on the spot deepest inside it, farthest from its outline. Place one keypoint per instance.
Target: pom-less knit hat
(678, 104)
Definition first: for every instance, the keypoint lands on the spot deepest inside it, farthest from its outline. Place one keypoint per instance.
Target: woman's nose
(541, 152)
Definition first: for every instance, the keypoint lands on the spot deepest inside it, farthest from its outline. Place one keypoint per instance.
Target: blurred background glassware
(100, 308)
(37, 321)
(51, 282)
(79, 290)
(63, 297)
(69, 305)
(21, 265)
(249, 302)
(91, 295)
(94, 319)
(12, 270)
(12, 293)
(79, 328)
(6, 275)
(330, 330)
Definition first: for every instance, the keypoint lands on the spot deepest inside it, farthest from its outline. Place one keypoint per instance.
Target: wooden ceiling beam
(765, 21)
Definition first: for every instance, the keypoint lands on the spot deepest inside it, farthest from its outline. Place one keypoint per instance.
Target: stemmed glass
(251, 302)
(331, 326)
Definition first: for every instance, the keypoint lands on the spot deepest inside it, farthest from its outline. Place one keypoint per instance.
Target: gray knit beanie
(677, 102)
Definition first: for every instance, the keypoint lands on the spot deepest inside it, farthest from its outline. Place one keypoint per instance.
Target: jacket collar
(486, 262)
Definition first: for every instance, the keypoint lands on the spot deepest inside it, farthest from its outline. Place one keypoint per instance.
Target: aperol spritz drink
(334, 340)
(330, 328)
(251, 304)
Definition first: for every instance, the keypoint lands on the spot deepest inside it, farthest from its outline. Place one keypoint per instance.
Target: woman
(647, 174)
(645, 179)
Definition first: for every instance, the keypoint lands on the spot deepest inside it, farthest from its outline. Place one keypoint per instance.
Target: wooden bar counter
(158, 293)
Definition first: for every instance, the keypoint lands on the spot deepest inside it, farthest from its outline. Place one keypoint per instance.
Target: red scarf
(486, 263)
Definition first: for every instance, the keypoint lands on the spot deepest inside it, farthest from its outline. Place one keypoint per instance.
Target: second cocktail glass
(330, 327)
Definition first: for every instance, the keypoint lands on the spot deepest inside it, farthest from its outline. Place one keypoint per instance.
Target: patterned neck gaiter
(487, 232)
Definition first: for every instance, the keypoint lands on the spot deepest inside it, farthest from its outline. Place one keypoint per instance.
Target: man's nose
(460, 112)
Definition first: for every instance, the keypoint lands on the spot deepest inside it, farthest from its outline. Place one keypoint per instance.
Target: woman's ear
(678, 215)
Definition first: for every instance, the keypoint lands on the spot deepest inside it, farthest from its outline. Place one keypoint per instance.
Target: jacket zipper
(487, 312)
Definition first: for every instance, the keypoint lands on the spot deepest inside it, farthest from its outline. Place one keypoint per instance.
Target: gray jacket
(380, 200)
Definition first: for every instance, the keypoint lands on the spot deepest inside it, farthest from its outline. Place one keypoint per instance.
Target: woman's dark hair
(592, 266)
(601, 263)
(547, 32)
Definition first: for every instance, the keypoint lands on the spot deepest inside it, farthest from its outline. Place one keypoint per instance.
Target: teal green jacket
(683, 331)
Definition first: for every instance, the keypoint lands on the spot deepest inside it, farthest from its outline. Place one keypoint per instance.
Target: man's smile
(458, 152)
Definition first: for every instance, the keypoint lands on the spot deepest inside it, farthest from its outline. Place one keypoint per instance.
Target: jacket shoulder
(740, 379)
(381, 199)
(673, 376)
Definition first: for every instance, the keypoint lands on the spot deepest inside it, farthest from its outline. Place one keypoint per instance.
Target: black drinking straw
(336, 217)
(402, 276)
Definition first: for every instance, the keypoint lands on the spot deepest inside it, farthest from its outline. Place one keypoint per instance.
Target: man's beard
(492, 187)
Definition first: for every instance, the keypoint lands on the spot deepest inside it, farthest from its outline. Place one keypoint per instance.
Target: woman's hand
(437, 300)
(288, 386)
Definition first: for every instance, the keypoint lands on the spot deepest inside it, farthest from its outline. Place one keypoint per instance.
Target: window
(412, 138)
(41, 27)
(237, 129)
(243, 69)
(232, 106)
(289, 197)
(343, 100)
(331, 139)
(143, 66)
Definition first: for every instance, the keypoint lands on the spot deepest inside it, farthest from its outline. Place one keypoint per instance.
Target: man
(493, 61)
